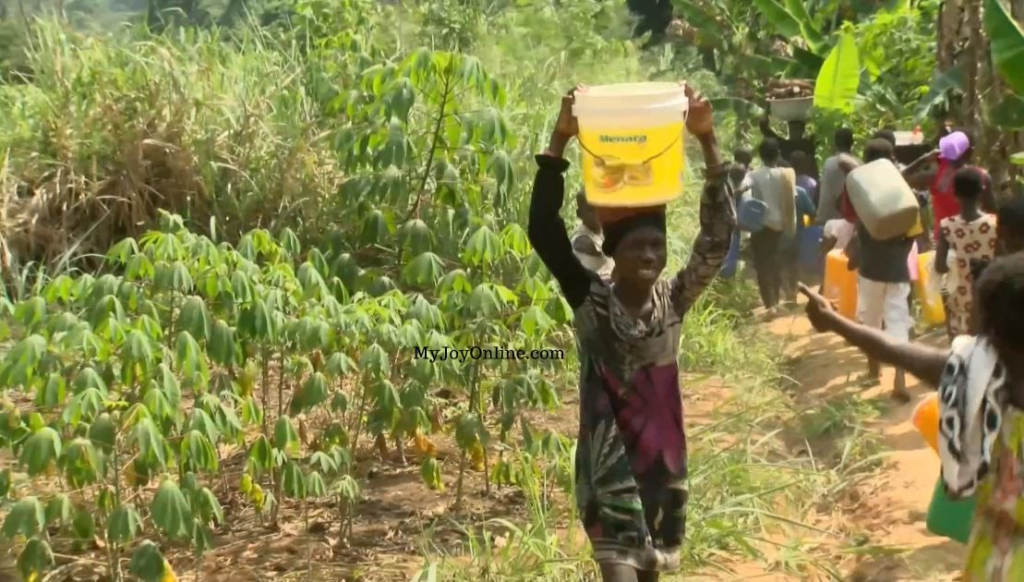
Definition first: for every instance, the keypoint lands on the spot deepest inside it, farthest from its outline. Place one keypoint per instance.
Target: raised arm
(717, 212)
(920, 174)
(546, 230)
(924, 362)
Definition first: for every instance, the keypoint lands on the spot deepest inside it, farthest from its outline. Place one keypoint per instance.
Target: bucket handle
(654, 157)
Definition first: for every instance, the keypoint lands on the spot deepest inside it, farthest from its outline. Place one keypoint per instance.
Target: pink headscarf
(953, 146)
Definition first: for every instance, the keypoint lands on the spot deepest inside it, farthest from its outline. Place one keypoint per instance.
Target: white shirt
(776, 187)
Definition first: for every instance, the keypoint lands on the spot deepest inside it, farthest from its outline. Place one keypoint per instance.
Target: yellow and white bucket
(632, 137)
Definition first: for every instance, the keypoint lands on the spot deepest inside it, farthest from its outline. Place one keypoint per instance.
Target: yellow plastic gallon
(840, 284)
(632, 142)
(927, 289)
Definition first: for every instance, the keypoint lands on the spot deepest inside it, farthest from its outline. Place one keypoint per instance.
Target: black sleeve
(547, 232)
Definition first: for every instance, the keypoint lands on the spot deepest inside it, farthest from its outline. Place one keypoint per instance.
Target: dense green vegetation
(224, 235)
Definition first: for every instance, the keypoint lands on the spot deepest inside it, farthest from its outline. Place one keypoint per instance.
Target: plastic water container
(810, 248)
(840, 285)
(632, 140)
(927, 289)
(949, 518)
(884, 202)
(926, 420)
(751, 213)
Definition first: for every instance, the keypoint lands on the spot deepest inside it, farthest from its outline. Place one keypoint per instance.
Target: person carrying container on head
(631, 461)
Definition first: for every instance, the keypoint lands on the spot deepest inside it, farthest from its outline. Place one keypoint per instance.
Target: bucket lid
(631, 97)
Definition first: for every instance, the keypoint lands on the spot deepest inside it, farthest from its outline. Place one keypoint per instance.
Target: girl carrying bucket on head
(631, 453)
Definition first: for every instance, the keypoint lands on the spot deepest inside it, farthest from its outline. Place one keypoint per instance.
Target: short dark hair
(886, 135)
(769, 150)
(743, 155)
(968, 183)
(877, 149)
(999, 293)
(844, 138)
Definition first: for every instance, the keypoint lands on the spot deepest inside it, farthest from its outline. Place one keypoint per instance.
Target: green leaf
(837, 82)
(150, 442)
(20, 365)
(222, 346)
(197, 453)
(483, 248)
(103, 433)
(81, 463)
(286, 439)
(193, 318)
(1017, 159)
(781, 19)
(814, 38)
(315, 487)
(1008, 113)
(59, 510)
(485, 301)
(5, 482)
(124, 524)
(414, 236)
(35, 558)
(293, 481)
(147, 562)
(52, 393)
(500, 168)
(191, 360)
(30, 312)
(83, 525)
(424, 270)
(260, 454)
(312, 393)
(209, 507)
(88, 378)
(374, 362)
(1007, 41)
(41, 449)
(27, 518)
(170, 510)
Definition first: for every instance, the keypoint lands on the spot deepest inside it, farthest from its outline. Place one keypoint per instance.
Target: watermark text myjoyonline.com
(482, 353)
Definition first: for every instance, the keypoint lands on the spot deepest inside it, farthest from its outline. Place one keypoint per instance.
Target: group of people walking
(631, 456)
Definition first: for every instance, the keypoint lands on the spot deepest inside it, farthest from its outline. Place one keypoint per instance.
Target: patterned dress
(631, 454)
(995, 552)
(970, 241)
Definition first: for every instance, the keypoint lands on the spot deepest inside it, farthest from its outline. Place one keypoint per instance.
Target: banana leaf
(1007, 41)
(839, 78)
(952, 79)
(1008, 113)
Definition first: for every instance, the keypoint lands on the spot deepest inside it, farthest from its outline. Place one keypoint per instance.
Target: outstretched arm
(717, 214)
(924, 362)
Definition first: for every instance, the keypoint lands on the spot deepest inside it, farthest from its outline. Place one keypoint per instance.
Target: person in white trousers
(883, 284)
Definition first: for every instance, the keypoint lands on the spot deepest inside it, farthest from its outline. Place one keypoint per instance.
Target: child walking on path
(770, 185)
(981, 395)
(631, 454)
(971, 238)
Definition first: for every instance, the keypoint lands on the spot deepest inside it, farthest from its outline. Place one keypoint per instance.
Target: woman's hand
(819, 310)
(700, 120)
